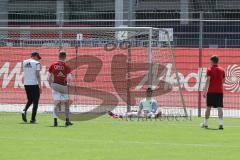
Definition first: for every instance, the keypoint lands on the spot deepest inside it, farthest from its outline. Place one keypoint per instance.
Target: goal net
(112, 67)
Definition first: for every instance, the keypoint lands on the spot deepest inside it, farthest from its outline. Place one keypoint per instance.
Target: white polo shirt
(30, 66)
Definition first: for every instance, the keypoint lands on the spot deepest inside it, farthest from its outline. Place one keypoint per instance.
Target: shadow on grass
(212, 129)
(58, 127)
(27, 123)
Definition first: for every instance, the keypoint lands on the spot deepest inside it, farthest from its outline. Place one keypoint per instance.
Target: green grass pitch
(111, 139)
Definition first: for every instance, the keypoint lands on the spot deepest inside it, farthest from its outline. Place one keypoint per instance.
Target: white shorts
(147, 113)
(59, 92)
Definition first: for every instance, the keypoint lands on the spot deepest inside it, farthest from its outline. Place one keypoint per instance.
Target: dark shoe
(204, 126)
(55, 124)
(24, 117)
(68, 123)
(220, 127)
(111, 114)
(158, 115)
(33, 122)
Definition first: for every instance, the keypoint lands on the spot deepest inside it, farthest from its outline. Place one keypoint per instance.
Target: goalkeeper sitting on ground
(147, 108)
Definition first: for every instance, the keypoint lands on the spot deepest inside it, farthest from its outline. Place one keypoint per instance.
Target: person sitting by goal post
(147, 108)
(59, 77)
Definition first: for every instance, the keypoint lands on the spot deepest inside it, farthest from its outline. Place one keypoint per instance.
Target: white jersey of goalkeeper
(148, 104)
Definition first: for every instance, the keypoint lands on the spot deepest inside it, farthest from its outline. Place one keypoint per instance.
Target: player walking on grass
(59, 77)
(214, 91)
(32, 84)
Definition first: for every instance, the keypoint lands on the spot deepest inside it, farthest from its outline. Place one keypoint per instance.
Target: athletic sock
(55, 111)
(205, 122)
(67, 112)
(220, 121)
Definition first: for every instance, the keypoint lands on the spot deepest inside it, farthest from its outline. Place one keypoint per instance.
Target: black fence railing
(201, 29)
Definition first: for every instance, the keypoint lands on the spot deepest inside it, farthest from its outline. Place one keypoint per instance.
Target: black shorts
(215, 100)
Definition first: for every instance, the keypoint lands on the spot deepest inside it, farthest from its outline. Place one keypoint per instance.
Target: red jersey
(217, 76)
(60, 70)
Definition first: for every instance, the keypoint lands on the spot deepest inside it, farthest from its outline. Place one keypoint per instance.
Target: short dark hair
(149, 89)
(62, 55)
(36, 54)
(214, 59)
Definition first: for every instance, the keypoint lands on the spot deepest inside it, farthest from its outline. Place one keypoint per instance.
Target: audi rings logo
(232, 81)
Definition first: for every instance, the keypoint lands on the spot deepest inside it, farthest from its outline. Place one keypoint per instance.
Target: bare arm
(50, 78)
(39, 80)
(224, 76)
(140, 107)
(69, 78)
(206, 86)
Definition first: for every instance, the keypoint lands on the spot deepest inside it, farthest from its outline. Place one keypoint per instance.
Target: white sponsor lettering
(168, 75)
(58, 67)
(16, 75)
(44, 77)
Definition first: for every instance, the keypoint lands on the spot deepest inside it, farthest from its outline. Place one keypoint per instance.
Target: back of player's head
(36, 55)
(214, 59)
(62, 55)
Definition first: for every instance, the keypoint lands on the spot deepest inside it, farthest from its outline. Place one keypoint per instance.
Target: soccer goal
(112, 66)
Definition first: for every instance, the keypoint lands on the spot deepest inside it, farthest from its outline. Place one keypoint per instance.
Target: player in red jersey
(214, 91)
(60, 75)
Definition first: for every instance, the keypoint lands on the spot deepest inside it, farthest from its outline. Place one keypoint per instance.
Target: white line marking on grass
(122, 142)
(169, 123)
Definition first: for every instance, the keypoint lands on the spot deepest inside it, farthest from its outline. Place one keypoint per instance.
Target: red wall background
(187, 62)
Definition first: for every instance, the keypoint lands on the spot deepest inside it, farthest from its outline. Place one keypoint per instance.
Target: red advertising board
(97, 71)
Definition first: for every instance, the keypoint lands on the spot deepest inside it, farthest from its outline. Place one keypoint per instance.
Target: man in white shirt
(32, 85)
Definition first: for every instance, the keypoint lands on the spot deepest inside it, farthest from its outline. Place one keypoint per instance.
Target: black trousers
(33, 95)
